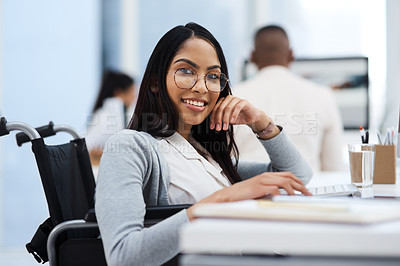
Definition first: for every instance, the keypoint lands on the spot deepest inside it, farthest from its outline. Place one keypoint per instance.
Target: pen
(387, 142)
(379, 137)
(398, 137)
(364, 135)
(392, 136)
(362, 132)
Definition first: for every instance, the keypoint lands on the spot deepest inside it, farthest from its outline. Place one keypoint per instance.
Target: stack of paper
(300, 208)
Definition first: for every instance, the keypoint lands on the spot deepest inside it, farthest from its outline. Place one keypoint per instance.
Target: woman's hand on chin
(236, 111)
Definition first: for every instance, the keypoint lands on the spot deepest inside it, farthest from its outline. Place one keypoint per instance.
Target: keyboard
(336, 190)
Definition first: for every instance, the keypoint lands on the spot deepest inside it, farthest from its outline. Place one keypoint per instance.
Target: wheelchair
(70, 235)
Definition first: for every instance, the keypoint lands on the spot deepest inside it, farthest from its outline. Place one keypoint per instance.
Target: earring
(154, 89)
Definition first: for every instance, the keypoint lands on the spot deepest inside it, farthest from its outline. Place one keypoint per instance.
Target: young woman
(179, 149)
(116, 95)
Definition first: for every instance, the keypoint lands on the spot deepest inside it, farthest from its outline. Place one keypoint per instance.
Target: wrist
(261, 123)
(189, 213)
(268, 132)
(217, 197)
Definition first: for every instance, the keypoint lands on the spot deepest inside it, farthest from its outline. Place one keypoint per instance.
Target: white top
(307, 111)
(192, 176)
(105, 122)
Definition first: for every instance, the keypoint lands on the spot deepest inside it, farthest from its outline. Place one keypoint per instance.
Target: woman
(116, 95)
(178, 150)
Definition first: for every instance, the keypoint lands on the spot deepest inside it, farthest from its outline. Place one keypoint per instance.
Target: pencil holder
(385, 164)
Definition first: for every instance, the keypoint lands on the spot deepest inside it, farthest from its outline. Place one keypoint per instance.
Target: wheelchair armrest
(60, 228)
(91, 216)
(152, 212)
(163, 212)
(153, 215)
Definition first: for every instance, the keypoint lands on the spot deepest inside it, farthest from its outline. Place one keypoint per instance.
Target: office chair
(70, 236)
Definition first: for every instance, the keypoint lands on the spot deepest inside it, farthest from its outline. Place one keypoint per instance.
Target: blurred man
(307, 111)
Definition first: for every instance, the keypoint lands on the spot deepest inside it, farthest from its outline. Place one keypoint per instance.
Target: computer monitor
(348, 77)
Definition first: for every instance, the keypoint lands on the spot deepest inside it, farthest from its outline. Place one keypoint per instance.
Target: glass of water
(362, 160)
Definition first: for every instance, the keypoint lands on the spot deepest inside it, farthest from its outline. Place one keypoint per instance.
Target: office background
(52, 54)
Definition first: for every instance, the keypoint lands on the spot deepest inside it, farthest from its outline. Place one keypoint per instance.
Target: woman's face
(127, 96)
(193, 105)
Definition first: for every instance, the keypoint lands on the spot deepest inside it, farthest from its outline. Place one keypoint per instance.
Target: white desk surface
(235, 236)
(332, 178)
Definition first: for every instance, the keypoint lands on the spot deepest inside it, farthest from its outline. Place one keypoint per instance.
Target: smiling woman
(178, 150)
(189, 95)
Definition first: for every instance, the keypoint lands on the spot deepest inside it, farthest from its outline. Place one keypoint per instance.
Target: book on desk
(296, 238)
(343, 227)
(301, 208)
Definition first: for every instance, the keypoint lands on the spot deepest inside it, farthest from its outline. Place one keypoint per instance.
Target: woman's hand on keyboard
(267, 183)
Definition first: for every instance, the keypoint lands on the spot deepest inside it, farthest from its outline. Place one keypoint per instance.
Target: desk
(332, 178)
(219, 241)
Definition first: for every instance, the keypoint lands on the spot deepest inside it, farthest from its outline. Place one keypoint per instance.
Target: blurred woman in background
(109, 115)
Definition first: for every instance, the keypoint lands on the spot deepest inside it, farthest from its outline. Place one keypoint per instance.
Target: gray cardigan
(133, 174)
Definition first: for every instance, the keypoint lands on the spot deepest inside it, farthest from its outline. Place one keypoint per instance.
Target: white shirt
(105, 122)
(307, 111)
(193, 177)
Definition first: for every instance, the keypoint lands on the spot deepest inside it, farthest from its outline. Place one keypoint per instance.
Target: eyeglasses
(186, 79)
